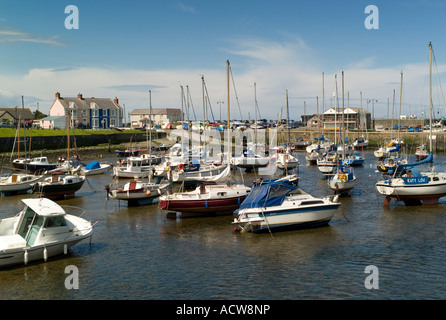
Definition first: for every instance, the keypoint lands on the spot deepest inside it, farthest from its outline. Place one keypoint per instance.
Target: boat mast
(150, 127)
(430, 96)
(229, 114)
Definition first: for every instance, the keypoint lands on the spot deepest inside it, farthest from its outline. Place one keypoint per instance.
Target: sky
(125, 49)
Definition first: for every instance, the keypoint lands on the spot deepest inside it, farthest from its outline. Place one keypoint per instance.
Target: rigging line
(190, 98)
(236, 95)
(209, 100)
(438, 76)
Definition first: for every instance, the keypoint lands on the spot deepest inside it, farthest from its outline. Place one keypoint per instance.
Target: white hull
(339, 186)
(272, 219)
(104, 168)
(428, 192)
(296, 211)
(17, 183)
(41, 230)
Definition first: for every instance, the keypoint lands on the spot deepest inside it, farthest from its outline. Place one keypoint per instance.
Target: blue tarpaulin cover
(93, 165)
(267, 195)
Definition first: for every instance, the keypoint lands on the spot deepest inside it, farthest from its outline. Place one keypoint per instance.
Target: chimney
(79, 96)
(116, 100)
(57, 95)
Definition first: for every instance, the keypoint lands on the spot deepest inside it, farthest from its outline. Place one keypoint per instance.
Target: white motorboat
(279, 206)
(133, 169)
(17, 183)
(138, 193)
(41, 230)
(95, 167)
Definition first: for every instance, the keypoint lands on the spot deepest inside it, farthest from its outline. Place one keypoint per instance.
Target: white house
(95, 113)
(163, 116)
(53, 122)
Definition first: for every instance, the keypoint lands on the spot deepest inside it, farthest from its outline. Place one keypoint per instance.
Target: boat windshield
(30, 226)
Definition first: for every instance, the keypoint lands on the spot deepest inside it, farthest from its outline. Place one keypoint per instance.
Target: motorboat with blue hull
(42, 229)
(281, 206)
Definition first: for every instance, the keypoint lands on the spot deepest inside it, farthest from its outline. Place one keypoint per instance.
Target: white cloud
(274, 66)
(10, 35)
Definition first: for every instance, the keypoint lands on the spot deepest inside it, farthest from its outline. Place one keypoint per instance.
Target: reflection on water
(136, 253)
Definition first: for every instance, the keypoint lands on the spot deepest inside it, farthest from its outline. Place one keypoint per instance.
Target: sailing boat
(249, 159)
(61, 185)
(285, 159)
(209, 198)
(343, 179)
(409, 184)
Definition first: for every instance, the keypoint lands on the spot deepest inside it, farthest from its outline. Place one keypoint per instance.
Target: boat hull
(201, 207)
(427, 193)
(15, 257)
(61, 191)
(292, 218)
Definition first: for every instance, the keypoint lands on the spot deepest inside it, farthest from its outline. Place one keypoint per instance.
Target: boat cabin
(39, 218)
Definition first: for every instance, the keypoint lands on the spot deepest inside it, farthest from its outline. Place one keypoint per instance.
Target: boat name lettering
(415, 180)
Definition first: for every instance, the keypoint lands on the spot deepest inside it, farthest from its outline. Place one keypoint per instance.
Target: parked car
(6, 125)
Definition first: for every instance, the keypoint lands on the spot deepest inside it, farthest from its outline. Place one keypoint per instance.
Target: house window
(95, 123)
(84, 112)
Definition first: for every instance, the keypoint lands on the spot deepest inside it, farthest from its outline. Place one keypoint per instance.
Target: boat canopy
(44, 207)
(397, 148)
(267, 195)
(428, 159)
(93, 165)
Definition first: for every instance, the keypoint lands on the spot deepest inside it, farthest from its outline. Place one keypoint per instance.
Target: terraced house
(95, 113)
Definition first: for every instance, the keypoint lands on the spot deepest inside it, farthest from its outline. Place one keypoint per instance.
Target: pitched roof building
(95, 113)
(160, 116)
(12, 115)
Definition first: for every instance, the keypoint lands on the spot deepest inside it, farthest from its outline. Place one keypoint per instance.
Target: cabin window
(436, 179)
(222, 194)
(311, 202)
(54, 222)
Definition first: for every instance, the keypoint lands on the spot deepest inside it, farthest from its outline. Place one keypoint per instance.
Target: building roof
(25, 113)
(49, 118)
(85, 103)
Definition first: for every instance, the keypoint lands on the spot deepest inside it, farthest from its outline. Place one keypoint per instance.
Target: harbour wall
(60, 142)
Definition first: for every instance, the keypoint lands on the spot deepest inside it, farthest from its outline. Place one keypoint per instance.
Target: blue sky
(124, 48)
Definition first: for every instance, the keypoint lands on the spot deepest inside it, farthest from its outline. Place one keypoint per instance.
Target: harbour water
(136, 253)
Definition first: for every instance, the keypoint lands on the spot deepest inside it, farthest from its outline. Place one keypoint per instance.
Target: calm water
(136, 253)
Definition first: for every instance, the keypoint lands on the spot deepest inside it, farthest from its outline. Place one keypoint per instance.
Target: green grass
(11, 132)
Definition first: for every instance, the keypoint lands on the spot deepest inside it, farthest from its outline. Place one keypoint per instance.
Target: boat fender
(65, 249)
(25, 257)
(45, 254)
(148, 192)
(206, 205)
(343, 178)
(335, 159)
(238, 201)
